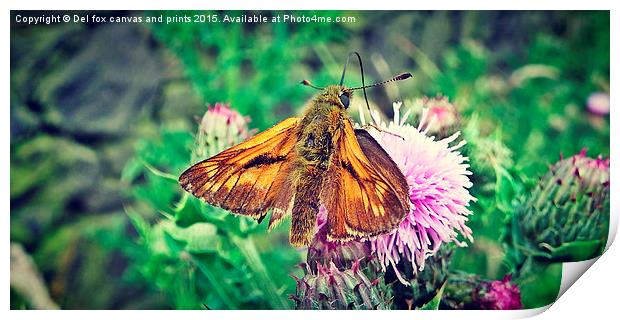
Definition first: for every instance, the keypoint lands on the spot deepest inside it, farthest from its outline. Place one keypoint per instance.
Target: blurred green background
(91, 103)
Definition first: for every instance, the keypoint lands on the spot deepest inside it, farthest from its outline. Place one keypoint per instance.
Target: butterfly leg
(380, 130)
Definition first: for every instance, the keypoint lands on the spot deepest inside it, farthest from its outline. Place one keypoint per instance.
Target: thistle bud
(598, 103)
(332, 289)
(423, 285)
(220, 127)
(567, 215)
(441, 117)
(470, 292)
(340, 275)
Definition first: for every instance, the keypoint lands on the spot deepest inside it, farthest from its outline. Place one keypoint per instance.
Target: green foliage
(434, 303)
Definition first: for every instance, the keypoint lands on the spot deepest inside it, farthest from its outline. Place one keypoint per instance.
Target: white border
(593, 297)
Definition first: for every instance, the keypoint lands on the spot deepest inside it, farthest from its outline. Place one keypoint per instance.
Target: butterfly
(304, 162)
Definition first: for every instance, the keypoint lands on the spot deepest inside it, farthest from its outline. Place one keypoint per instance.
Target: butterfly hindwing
(364, 192)
(251, 177)
(384, 164)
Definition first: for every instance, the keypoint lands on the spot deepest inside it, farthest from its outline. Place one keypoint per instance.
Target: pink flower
(343, 255)
(437, 175)
(500, 295)
(598, 103)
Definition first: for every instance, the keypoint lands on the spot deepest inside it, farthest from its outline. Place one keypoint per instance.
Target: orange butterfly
(302, 163)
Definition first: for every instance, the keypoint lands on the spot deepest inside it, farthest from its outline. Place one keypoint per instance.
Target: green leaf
(141, 225)
(199, 238)
(505, 188)
(539, 282)
(434, 303)
(187, 211)
(132, 169)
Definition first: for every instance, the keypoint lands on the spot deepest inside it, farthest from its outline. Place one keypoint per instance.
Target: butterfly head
(339, 95)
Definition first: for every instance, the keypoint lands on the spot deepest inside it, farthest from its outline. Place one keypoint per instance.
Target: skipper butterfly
(304, 162)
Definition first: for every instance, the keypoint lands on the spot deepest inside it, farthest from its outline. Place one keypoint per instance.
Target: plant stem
(248, 249)
(215, 283)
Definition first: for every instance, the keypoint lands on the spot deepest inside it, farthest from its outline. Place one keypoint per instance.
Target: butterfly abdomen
(306, 205)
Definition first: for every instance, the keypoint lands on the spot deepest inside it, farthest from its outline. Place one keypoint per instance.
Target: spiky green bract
(425, 285)
(332, 289)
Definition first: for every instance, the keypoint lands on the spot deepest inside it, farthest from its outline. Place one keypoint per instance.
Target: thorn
(409, 304)
(357, 286)
(356, 266)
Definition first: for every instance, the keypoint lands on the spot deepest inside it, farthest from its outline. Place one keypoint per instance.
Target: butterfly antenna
(344, 70)
(363, 87)
(309, 84)
(402, 76)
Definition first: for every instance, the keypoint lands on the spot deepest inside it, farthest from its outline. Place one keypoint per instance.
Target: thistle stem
(215, 283)
(249, 252)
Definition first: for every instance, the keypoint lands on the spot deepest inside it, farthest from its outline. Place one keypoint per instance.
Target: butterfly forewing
(251, 177)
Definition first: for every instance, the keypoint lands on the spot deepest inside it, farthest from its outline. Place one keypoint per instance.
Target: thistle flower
(446, 118)
(437, 176)
(598, 103)
(566, 217)
(332, 289)
(467, 291)
(220, 127)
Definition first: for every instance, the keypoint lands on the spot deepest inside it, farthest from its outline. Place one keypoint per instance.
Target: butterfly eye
(344, 99)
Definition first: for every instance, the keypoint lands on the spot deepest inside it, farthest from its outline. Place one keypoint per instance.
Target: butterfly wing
(365, 193)
(251, 177)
